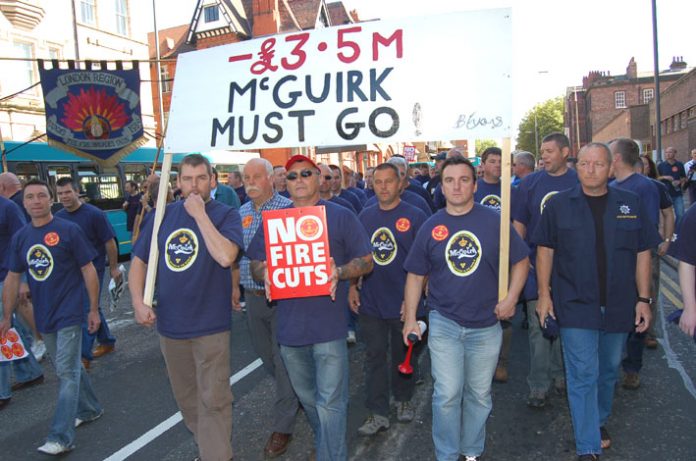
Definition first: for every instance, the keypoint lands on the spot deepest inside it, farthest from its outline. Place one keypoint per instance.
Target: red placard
(297, 252)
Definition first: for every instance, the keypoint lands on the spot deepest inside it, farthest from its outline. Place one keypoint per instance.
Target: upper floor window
(648, 95)
(620, 99)
(24, 75)
(211, 13)
(121, 17)
(88, 11)
(165, 79)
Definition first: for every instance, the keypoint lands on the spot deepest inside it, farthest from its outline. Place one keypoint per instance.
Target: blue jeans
(463, 361)
(25, 369)
(592, 359)
(103, 334)
(76, 398)
(319, 375)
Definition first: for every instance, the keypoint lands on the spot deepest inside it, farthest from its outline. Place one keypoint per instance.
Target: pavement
(140, 420)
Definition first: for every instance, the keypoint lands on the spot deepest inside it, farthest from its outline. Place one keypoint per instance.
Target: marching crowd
(586, 237)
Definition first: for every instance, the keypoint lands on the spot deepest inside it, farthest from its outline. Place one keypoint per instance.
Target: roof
(338, 14)
(170, 41)
(306, 11)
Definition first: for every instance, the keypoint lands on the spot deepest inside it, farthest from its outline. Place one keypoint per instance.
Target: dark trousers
(380, 335)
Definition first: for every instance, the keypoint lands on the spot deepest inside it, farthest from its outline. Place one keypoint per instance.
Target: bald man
(11, 188)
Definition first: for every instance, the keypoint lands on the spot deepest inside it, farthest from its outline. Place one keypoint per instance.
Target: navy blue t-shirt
(418, 189)
(53, 256)
(676, 171)
(644, 188)
(352, 198)
(391, 233)
(11, 220)
(195, 292)
(533, 193)
(684, 247)
(460, 254)
(317, 319)
(96, 227)
(133, 209)
(665, 199)
(408, 197)
(343, 202)
(358, 193)
(488, 194)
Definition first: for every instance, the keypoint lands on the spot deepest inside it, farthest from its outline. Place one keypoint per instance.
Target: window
(102, 186)
(211, 13)
(88, 11)
(683, 120)
(165, 80)
(121, 17)
(23, 75)
(620, 99)
(648, 95)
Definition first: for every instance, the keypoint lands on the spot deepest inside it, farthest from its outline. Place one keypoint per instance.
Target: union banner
(93, 113)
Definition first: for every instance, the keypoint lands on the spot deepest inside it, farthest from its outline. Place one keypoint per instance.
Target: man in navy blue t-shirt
(62, 279)
(198, 241)
(458, 249)
(100, 235)
(684, 249)
(132, 203)
(392, 226)
(312, 331)
(593, 271)
(671, 173)
(534, 191)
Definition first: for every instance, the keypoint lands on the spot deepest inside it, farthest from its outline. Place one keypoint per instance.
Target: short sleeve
(684, 248)
(546, 233)
(15, 261)
(231, 228)
(82, 251)
(355, 237)
(418, 259)
(104, 229)
(257, 247)
(665, 199)
(649, 237)
(142, 245)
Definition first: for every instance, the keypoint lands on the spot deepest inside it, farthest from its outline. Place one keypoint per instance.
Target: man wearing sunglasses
(325, 191)
(312, 330)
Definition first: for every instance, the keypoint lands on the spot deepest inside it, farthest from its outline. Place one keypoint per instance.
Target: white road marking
(172, 421)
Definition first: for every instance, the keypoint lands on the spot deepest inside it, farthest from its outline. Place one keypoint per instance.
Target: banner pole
(141, 215)
(3, 152)
(159, 214)
(505, 196)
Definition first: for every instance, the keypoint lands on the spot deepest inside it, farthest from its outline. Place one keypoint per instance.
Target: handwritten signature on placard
(473, 120)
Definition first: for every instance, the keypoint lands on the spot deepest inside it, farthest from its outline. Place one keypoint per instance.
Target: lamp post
(536, 136)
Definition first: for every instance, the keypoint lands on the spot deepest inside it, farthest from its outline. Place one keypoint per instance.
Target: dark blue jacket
(567, 227)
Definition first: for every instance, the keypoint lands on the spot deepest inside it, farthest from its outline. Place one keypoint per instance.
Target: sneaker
(351, 339)
(405, 412)
(79, 422)
(373, 424)
(470, 458)
(53, 448)
(588, 457)
(39, 350)
(536, 399)
(501, 374)
(631, 381)
(606, 438)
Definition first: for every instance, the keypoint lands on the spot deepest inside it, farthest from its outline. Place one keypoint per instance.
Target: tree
(549, 118)
(483, 144)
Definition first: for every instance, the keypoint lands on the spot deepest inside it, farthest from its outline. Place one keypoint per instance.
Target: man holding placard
(458, 249)
(199, 239)
(312, 329)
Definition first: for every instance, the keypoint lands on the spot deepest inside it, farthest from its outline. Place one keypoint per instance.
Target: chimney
(678, 63)
(632, 69)
(266, 18)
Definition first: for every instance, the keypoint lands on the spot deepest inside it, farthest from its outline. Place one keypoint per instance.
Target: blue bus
(103, 186)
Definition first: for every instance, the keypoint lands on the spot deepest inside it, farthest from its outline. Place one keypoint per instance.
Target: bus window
(100, 186)
(26, 171)
(135, 172)
(55, 172)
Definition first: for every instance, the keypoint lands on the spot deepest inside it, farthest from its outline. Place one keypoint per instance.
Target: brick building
(608, 105)
(220, 22)
(678, 112)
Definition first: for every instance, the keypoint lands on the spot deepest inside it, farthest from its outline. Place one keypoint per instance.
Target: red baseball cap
(299, 158)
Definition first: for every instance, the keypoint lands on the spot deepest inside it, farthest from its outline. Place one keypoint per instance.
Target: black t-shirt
(598, 205)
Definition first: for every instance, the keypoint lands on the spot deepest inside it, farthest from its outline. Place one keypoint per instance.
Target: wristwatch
(645, 300)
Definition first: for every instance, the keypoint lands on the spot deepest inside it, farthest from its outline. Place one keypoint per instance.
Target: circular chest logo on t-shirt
(40, 262)
(383, 246)
(491, 201)
(544, 200)
(440, 232)
(403, 224)
(51, 239)
(463, 253)
(246, 222)
(182, 249)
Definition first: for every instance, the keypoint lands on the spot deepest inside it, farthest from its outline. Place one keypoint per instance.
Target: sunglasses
(304, 173)
(328, 177)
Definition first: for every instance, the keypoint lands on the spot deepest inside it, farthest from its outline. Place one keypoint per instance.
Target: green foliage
(483, 144)
(549, 118)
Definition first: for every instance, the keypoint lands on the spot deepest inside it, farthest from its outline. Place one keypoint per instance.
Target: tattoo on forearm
(356, 268)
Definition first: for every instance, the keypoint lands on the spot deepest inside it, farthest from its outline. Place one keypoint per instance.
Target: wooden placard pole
(3, 152)
(159, 214)
(505, 196)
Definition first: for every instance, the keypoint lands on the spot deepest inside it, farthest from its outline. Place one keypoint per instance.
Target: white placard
(443, 77)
